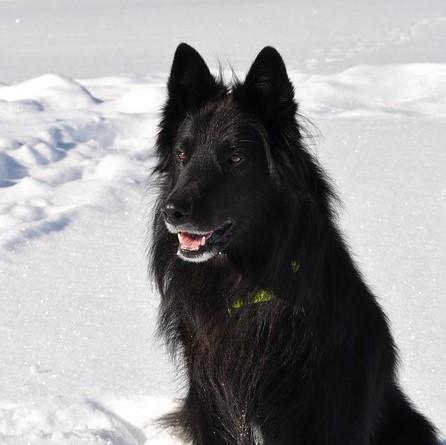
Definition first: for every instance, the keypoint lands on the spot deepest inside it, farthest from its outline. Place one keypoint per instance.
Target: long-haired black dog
(281, 340)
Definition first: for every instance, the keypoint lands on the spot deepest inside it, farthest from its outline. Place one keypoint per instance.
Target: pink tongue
(189, 241)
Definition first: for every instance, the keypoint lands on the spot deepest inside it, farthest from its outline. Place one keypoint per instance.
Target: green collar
(262, 295)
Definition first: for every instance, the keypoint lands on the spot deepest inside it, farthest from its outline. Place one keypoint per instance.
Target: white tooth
(203, 241)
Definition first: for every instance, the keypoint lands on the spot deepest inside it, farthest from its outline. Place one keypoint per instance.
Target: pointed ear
(190, 82)
(267, 89)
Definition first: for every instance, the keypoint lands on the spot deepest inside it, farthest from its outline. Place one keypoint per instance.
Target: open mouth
(200, 246)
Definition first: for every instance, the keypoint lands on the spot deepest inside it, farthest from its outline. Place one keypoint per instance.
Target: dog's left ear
(267, 88)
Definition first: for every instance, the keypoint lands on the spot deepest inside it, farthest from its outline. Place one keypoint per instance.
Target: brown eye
(235, 158)
(182, 157)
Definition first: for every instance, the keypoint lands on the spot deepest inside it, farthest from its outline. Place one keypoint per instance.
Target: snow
(91, 39)
(410, 89)
(79, 421)
(80, 361)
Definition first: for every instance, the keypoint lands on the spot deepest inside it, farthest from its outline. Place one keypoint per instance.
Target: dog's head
(222, 152)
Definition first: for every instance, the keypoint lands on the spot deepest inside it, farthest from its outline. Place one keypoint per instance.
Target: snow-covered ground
(86, 38)
(80, 363)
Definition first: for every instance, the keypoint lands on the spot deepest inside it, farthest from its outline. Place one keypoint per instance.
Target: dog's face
(215, 150)
(221, 182)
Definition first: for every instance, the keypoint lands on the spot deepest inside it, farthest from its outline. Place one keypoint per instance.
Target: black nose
(176, 212)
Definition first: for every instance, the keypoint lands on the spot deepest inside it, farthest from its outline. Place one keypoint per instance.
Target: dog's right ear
(191, 84)
(189, 87)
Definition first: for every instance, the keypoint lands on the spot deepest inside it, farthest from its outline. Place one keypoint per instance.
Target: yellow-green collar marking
(263, 295)
(295, 266)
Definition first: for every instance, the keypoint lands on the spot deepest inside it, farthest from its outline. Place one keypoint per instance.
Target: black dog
(281, 340)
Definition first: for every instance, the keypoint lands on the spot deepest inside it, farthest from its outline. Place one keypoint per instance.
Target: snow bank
(51, 91)
(410, 89)
(57, 150)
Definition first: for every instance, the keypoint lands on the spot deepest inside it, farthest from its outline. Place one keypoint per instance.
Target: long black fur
(316, 364)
